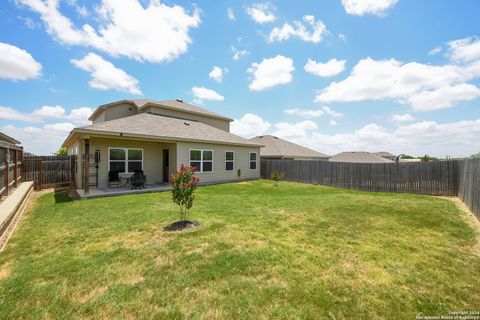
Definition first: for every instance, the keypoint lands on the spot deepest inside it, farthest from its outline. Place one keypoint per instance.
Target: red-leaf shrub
(184, 184)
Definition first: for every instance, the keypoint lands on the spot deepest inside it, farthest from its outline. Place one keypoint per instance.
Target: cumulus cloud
(362, 7)
(231, 14)
(202, 93)
(17, 64)
(249, 125)
(154, 33)
(217, 74)
(329, 69)
(77, 115)
(271, 72)
(238, 54)
(313, 113)
(401, 117)
(464, 50)
(333, 123)
(435, 51)
(299, 129)
(105, 76)
(261, 12)
(456, 139)
(300, 30)
(423, 86)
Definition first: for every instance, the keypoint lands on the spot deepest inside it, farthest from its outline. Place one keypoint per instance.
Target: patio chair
(138, 180)
(113, 177)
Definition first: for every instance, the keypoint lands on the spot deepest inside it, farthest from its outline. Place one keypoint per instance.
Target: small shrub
(239, 173)
(184, 184)
(277, 176)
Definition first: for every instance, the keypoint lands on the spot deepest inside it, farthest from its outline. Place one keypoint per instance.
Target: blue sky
(395, 75)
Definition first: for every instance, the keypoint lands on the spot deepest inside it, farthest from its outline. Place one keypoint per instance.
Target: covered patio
(99, 192)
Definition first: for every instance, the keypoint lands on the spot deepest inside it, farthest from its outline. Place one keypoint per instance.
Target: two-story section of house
(157, 137)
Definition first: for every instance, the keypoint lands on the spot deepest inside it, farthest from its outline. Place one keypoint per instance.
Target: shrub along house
(157, 137)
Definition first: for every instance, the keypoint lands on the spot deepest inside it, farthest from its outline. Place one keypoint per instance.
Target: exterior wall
(152, 157)
(214, 122)
(219, 173)
(118, 111)
(100, 118)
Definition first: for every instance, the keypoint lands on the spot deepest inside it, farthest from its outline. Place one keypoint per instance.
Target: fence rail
(11, 165)
(440, 178)
(49, 171)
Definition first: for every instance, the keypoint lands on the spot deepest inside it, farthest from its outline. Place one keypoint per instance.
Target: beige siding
(152, 157)
(214, 122)
(219, 172)
(118, 111)
(75, 149)
(99, 118)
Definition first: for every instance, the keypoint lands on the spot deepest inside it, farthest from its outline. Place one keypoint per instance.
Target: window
(202, 160)
(125, 160)
(253, 160)
(229, 160)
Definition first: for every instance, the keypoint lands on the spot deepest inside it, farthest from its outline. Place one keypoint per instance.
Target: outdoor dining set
(134, 180)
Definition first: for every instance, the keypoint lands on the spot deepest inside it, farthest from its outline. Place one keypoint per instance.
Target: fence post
(7, 170)
(15, 168)
(40, 175)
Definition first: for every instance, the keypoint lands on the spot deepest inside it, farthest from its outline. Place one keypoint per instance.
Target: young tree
(61, 152)
(184, 184)
(277, 176)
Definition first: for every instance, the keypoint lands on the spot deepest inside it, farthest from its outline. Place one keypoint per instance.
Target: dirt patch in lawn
(182, 225)
(5, 271)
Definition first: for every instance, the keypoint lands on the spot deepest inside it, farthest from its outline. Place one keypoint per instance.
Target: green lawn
(293, 251)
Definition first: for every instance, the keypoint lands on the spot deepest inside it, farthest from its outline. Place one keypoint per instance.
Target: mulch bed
(182, 225)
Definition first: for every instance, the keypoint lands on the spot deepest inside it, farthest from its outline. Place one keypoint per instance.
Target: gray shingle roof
(279, 148)
(359, 157)
(385, 154)
(179, 105)
(8, 139)
(157, 126)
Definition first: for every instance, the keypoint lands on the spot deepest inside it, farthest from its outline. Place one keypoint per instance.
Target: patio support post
(86, 163)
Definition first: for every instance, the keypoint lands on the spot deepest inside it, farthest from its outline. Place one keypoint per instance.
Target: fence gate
(50, 171)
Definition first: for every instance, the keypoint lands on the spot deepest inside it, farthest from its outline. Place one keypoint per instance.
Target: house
(5, 139)
(359, 157)
(386, 155)
(276, 148)
(157, 137)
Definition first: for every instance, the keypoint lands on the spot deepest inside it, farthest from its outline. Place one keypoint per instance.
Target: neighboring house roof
(8, 139)
(359, 157)
(385, 154)
(279, 148)
(148, 125)
(177, 105)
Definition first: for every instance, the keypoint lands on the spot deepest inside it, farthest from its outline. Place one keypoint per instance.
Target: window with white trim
(229, 160)
(202, 160)
(125, 159)
(253, 160)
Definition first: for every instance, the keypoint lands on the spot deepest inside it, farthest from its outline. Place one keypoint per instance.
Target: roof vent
(179, 100)
(186, 123)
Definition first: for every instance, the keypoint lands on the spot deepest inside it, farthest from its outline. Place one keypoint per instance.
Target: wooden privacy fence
(469, 184)
(50, 171)
(438, 178)
(11, 166)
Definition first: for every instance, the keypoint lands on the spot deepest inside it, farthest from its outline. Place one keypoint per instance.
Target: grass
(293, 251)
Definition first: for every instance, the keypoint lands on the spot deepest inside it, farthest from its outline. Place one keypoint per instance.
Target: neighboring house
(8, 140)
(276, 148)
(157, 137)
(386, 155)
(359, 157)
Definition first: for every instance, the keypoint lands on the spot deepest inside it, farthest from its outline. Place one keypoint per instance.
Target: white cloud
(464, 50)
(329, 69)
(362, 7)
(249, 125)
(77, 116)
(342, 37)
(261, 12)
(333, 123)
(202, 93)
(154, 33)
(238, 54)
(49, 112)
(299, 129)
(424, 87)
(42, 140)
(401, 117)
(17, 64)
(313, 113)
(217, 74)
(271, 72)
(455, 139)
(299, 30)
(231, 14)
(435, 51)
(105, 75)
